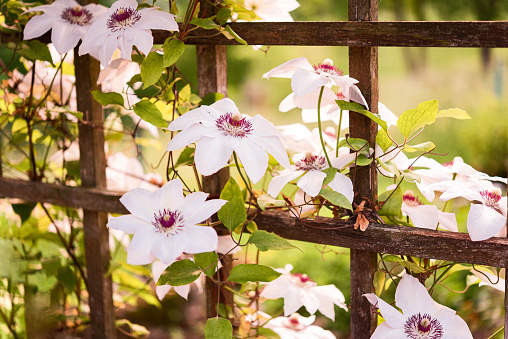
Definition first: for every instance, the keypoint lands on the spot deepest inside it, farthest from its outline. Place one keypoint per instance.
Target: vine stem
(241, 175)
(320, 127)
(339, 127)
(439, 278)
(500, 330)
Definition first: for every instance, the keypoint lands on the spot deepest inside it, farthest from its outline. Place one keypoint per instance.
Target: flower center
(311, 162)
(303, 280)
(491, 198)
(77, 15)
(122, 18)
(410, 199)
(327, 67)
(423, 327)
(448, 164)
(293, 323)
(234, 124)
(168, 222)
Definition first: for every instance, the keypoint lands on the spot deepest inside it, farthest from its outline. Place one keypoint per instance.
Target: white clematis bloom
(427, 216)
(299, 290)
(164, 223)
(122, 27)
(298, 327)
(421, 317)
(272, 10)
(220, 129)
(310, 168)
(68, 22)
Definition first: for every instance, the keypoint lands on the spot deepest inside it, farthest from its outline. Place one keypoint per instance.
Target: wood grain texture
(93, 174)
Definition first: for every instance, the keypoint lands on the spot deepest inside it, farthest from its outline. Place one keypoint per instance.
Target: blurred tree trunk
(486, 10)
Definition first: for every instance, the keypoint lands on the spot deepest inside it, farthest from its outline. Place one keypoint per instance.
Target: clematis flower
(272, 10)
(164, 223)
(68, 22)
(220, 129)
(489, 279)
(427, 216)
(122, 27)
(299, 290)
(421, 316)
(298, 327)
(310, 168)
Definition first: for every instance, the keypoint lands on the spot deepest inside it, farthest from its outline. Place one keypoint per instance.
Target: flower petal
(137, 201)
(140, 248)
(205, 211)
(277, 183)
(187, 137)
(447, 221)
(196, 116)
(37, 26)
(212, 154)
(153, 18)
(287, 69)
(423, 216)
(304, 82)
(412, 297)
(224, 106)
(168, 196)
(311, 182)
(127, 223)
(384, 331)
(168, 248)
(274, 146)
(183, 291)
(254, 159)
(287, 103)
(201, 239)
(161, 291)
(343, 185)
(64, 36)
(484, 222)
(393, 318)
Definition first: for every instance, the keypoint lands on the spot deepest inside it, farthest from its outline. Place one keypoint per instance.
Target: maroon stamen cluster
(410, 199)
(327, 68)
(168, 222)
(122, 18)
(77, 16)
(234, 125)
(303, 277)
(491, 198)
(423, 327)
(311, 162)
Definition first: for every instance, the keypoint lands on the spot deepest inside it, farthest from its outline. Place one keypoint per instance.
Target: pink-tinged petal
(447, 221)
(343, 185)
(200, 239)
(183, 291)
(253, 158)
(224, 106)
(311, 182)
(205, 211)
(37, 26)
(153, 18)
(484, 222)
(287, 69)
(408, 288)
(169, 196)
(64, 36)
(53, 9)
(304, 82)
(287, 103)
(226, 245)
(277, 183)
(127, 223)
(143, 40)
(161, 291)
(423, 216)
(212, 154)
(137, 201)
(187, 137)
(393, 318)
(383, 331)
(96, 9)
(168, 247)
(196, 116)
(274, 146)
(140, 248)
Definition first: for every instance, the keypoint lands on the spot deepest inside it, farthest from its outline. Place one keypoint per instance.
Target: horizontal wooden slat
(382, 238)
(344, 33)
(75, 197)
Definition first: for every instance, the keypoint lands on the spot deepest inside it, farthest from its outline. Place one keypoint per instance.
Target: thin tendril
(320, 128)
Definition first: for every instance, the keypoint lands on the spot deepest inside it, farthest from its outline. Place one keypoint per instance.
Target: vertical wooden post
(363, 66)
(93, 174)
(212, 77)
(506, 292)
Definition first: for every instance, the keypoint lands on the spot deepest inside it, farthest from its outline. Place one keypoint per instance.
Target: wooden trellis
(363, 34)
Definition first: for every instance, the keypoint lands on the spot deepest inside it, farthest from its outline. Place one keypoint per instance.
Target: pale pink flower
(220, 129)
(272, 10)
(122, 27)
(164, 223)
(421, 316)
(298, 327)
(68, 22)
(427, 216)
(299, 290)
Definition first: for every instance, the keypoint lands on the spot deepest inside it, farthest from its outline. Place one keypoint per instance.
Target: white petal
(168, 248)
(412, 297)
(122, 3)
(203, 113)
(200, 239)
(152, 18)
(456, 329)
(343, 185)
(343, 160)
(423, 216)
(127, 223)
(383, 331)
(183, 291)
(277, 183)
(140, 248)
(287, 103)
(393, 318)
(161, 291)
(143, 41)
(311, 182)
(291, 305)
(274, 146)
(387, 115)
(186, 137)
(137, 201)
(64, 36)
(212, 154)
(224, 106)
(226, 245)
(308, 299)
(253, 158)
(304, 82)
(169, 196)
(484, 222)
(447, 221)
(192, 202)
(157, 268)
(287, 69)
(205, 211)
(357, 96)
(37, 26)
(263, 127)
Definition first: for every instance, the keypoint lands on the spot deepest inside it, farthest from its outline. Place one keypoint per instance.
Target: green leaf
(186, 157)
(24, 210)
(230, 34)
(265, 199)
(151, 69)
(223, 15)
(181, 272)
(173, 50)
(412, 120)
(210, 98)
(66, 278)
(393, 206)
(355, 144)
(363, 160)
(389, 166)
(147, 111)
(267, 333)
(233, 212)
(423, 147)
(356, 107)
(412, 266)
(111, 98)
(383, 140)
(266, 241)
(218, 328)
(206, 23)
(252, 272)
(411, 176)
(35, 50)
(207, 261)
(456, 113)
(330, 174)
(335, 198)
